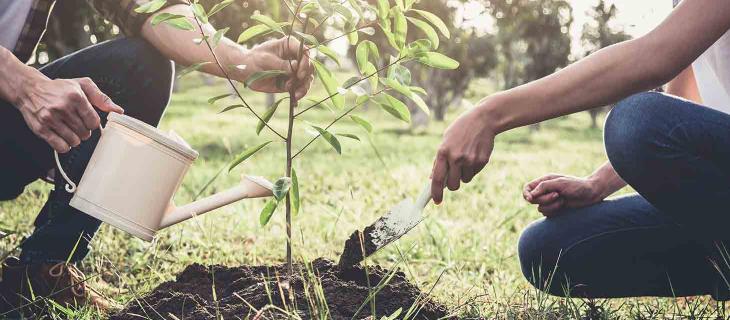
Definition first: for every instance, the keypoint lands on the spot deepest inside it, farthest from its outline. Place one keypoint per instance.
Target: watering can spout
(250, 187)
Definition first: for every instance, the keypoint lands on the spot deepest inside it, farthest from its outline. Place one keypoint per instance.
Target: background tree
(599, 34)
(533, 39)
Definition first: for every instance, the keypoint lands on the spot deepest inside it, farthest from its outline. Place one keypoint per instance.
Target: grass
(469, 242)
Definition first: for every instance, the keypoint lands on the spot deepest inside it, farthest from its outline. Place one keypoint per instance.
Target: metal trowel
(403, 217)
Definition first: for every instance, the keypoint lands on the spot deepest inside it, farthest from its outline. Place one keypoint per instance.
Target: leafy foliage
(349, 19)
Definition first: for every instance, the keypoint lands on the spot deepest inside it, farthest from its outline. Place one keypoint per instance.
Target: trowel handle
(425, 196)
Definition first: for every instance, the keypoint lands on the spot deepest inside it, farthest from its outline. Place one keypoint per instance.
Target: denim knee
(630, 132)
(539, 256)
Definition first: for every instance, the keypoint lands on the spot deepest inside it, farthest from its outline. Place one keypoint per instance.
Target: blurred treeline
(509, 42)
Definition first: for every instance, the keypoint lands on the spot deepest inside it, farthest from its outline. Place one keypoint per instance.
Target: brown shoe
(26, 288)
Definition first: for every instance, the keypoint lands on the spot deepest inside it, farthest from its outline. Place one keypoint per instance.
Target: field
(465, 250)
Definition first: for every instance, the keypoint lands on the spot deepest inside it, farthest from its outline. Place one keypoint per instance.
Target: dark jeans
(662, 241)
(135, 76)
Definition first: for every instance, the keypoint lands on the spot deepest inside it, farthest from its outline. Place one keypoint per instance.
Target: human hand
(464, 151)
(279, 54)
(61, 111)
(554, 192)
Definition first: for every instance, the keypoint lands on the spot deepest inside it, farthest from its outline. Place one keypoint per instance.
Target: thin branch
(342, 35)
(335, 121)
(348, 87)
(228, 77)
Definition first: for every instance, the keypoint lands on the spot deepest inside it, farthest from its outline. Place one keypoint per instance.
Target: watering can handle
(70, 185)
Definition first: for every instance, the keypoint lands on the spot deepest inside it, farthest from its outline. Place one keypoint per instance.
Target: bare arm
(600, 79)
(179, 45)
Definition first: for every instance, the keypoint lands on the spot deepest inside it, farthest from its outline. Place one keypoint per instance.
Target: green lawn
(470, 239)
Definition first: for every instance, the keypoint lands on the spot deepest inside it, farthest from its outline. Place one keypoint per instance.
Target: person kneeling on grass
(53, 108)
(673, 149)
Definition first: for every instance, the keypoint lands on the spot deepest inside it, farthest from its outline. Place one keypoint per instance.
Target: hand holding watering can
(134, 173)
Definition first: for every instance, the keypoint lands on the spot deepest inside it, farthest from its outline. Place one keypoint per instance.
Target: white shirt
(12, 19)
(712, 73)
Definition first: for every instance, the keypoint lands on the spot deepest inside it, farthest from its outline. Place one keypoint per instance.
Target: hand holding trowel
(388, 228)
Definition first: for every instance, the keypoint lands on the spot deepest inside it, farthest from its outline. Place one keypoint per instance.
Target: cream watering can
(134, 173)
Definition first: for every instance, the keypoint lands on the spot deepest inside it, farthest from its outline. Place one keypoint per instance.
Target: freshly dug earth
(249, 291)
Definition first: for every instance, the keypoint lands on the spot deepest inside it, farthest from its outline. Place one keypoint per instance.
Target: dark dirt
(359, 243)
(238, 289)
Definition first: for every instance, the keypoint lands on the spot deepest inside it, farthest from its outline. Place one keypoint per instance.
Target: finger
(56, 142)
(438, 174)
(87, 114)
(467, 173)
(291, 48)
(454, 179)
(303, 89)
(545, 198)
(551, 209)
(97, 98)
(74, 122)
(306, 68)
(546, 187)
(532, 184)
(63, 131)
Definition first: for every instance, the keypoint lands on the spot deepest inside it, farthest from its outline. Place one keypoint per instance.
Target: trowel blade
(390, 227)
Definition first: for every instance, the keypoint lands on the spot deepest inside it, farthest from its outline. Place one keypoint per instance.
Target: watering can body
(133, 175)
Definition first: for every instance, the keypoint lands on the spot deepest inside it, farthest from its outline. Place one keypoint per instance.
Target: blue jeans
(135, 76)
(667, 240)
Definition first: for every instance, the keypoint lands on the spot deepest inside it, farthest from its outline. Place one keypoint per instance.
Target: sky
(636, 17)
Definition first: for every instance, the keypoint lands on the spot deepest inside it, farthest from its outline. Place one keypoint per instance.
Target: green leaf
(437, 60)
(294, 192)
(216, 98)
(311, 6)
(268, 211)
(327, 51)
(419, 90)
(245, 154)
(262, 75)
(281, 187)
(352, 36)
(400, 5)
(343, 11)
(406, 91)
(349, 135)
(217, 37)
(417, 47)
(231, 107)
(253, 32)
(394, 106)
(174, 20)
(330, 84)
(266, 20)
(150, 7)
(309, 39)
(427, 29)
(400, 28)
(371, 71)
(330, 138)
(364, 50)
(434, 20)
(267, 116)
(363, 123)
(361, 55)
(199, 12)
(219, 6)
(399, 73)
(383, 9)
(191, 68)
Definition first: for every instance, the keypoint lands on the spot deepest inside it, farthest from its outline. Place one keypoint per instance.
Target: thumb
(97, 98)
(546, 187)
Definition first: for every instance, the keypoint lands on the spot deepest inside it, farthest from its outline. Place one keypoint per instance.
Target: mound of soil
(247, 292)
